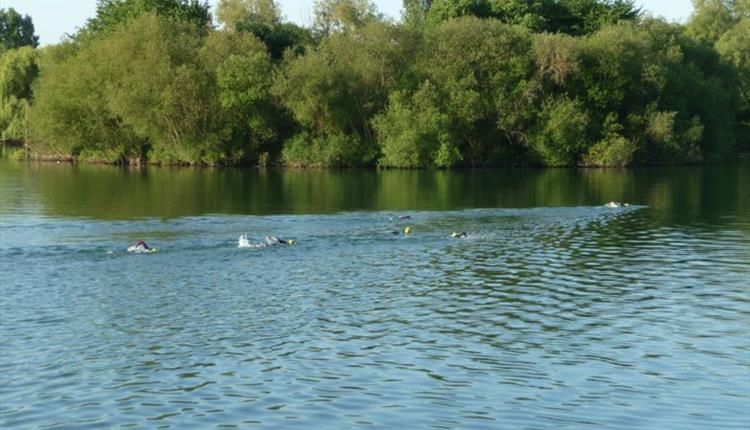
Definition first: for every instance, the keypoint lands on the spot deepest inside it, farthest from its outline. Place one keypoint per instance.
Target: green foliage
(18, 69)
(241, 81)
(576, 17)
(182, 100)
(16, 31)
(733, 47)
(232, 13)
(70, 116)
(459, 83)
(711, 19)
(413, 132)
(113, 13)
(680, 144)
(558, 60)
(306, 150)
(333, 16)
(12, 152)
(244, 92)
(337, 88)
(415, 11)
(13, 119)
(580, 17)
(279, 38)
(725, 25)
(561, 134)
(159, 90)
(612, 151)
(637, 71)
(481, 68)
(445, 10)
(262, 18)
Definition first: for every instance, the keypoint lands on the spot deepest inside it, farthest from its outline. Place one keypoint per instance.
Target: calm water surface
(554, 313)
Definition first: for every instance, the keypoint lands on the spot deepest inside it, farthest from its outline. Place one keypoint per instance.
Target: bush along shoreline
(589, 83)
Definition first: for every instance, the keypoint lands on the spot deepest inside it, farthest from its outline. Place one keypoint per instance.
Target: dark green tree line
(455, 83)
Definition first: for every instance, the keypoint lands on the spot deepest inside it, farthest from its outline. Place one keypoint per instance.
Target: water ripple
(573, 317)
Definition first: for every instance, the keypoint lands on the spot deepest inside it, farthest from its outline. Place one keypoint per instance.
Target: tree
(710, 20)
(243, 72)
(232, 13)
(413, 132)
(70, 116)
(482, 69)
(155, 88)
(194, 99)
(111, 13)
(733, 47)
(460, 82)
(415, 11)
(18, 70)
(561, 133)
(443, 10)
(613, 150)
(333, 16)
(262, 18)
(581, 17)
(723, 24)
(16, 30)
(336, 89)
(279, 38)
(672, 96)
(576, 17)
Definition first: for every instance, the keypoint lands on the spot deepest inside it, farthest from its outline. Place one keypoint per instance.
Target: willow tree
(70, 115)
(155, 88)
(18, 70)
(336, 89)
(481, 69)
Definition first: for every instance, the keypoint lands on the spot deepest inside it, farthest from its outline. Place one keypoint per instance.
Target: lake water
(554, 312)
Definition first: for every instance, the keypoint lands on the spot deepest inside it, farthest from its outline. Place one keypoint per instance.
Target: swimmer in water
(141, 247)
(459, 234)
(273, 240)
(243, 242)
(616, 204)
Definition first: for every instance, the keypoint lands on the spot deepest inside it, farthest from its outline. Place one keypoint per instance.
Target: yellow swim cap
(291, 242)
(407, 230)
